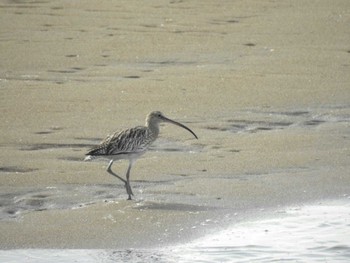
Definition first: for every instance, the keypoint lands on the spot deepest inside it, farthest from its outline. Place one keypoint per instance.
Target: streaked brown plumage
(130, 144)
(120, 143)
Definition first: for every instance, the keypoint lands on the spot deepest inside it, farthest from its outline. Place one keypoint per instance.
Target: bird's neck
(153, 127)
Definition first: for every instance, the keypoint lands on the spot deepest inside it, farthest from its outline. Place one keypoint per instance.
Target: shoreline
(183, 202)
(289, 226)
(157, 224)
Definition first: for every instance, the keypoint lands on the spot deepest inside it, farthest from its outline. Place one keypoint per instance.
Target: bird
(130, 144)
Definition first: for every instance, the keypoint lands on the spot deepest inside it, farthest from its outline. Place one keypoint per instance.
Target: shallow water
(19, 200)
(317, 233)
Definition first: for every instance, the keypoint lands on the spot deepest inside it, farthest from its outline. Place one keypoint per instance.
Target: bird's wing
(132, 140)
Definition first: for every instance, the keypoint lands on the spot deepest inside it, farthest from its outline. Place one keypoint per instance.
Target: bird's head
(156, 117)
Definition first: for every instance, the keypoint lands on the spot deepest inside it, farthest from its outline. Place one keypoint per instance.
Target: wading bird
(130, 144)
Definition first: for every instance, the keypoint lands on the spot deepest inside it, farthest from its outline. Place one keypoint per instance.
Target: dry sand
(264, 84)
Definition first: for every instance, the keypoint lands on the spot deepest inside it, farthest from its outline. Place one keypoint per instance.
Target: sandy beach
(265, 85)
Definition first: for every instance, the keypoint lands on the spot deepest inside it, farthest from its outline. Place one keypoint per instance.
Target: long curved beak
(179, 124)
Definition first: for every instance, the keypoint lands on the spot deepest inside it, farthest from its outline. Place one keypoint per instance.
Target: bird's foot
(128, 190)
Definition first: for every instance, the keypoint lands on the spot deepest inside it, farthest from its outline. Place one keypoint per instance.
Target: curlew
(130, 144)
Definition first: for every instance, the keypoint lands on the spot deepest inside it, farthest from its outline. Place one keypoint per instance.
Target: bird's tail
(88, 158)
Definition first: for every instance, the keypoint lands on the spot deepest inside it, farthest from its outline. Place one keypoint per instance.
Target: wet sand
(311, 233)
(264, 85)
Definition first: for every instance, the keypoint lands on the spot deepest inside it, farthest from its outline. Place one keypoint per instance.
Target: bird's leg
(109, 170)
(127, 184)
